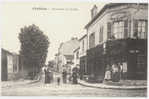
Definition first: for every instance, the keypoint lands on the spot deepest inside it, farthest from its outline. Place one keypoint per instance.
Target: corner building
(118, 34)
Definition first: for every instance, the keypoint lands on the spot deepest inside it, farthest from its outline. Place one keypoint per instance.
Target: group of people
(114, 72)
(71, 78)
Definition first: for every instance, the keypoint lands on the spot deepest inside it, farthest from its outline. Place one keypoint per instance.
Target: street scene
(28, 88)
(74, 49)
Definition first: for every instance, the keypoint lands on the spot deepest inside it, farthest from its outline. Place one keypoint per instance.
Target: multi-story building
(10, 65)
(83, 55)
(65, 54)
(118, 34)
(76, 58)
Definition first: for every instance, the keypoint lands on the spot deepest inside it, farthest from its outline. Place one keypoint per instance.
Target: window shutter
(109, 30)
(102, 34)
(135, 29)
(146, 28)
(125, 28)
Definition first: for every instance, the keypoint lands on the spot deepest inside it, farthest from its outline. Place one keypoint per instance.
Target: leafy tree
(34, 48)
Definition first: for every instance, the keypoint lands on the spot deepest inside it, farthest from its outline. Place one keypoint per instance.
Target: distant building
(65, 58)
(76, 58)
(9, 64)
(118, 34)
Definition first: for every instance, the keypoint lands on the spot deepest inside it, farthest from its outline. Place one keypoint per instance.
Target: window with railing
(140, 29)
(117, 29)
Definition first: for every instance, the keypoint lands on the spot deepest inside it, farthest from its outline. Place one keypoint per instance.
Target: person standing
(74, 76)
(64, 74)
(108, 74)
(46, 75)
(115, 73)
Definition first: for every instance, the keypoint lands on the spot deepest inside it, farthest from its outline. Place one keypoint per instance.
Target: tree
(34, 48)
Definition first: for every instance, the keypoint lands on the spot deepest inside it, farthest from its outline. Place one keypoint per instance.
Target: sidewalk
(7, 84)
(113, 85)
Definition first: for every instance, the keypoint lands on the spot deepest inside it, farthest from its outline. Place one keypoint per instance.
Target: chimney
(94, 11)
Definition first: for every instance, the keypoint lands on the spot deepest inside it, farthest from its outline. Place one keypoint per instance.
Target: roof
(107, 6)
(76, 49)
(68, 47)
(83, 37)
(69, 57)
(6, 51)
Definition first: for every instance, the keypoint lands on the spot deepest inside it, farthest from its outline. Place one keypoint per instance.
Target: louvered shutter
(109, 30)
(135, 28)
(146, 29)
(125, 28)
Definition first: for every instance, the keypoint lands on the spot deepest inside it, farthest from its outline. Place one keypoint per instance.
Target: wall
(76, 60)
(95, 27)
(132, 12)
(83, 52)
(4, 72)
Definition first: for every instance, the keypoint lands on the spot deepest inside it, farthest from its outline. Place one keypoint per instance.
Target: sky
(60, 21)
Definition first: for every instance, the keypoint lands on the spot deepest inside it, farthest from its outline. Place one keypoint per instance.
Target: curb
(116, 87)
(33, 82)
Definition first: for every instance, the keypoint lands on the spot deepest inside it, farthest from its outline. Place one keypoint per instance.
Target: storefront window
(141, 62)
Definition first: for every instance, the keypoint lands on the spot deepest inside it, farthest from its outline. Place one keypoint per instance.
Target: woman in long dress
(46, 75)
(108, 74)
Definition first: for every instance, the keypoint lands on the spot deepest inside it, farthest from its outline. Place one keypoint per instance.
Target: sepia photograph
(77, 49)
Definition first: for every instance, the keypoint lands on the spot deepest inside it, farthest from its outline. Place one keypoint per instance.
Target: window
(101, 34)
(92, 40)
(141, 29)
(118, 31)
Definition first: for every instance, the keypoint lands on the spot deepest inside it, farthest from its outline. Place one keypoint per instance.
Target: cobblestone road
(40, 89)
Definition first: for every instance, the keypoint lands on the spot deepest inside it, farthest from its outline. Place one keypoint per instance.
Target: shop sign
(133, 51)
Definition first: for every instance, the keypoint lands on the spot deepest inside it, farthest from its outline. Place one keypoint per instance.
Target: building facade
(83, 56)
(65, 57)
(9, 64)
(118, 34)
(76, 53)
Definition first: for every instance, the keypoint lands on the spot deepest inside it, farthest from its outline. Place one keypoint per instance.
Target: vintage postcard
(96, 49)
